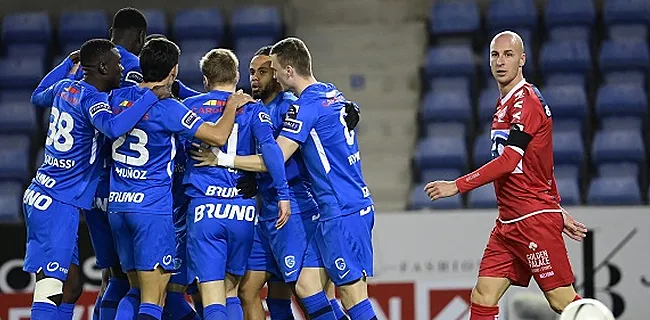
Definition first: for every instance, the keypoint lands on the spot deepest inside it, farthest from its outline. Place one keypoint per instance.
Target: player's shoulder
(200, 98)
(288, 97)
(128, 59)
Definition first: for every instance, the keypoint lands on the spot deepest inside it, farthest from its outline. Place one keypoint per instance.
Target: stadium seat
(188, 65)
(195, 46)
(561, 79)
(566, 101)
(622, 123)
(67, 48)
(451, 18)
(570, 33)
(447, 106)
(80, 26)
(156, 21)
(21, 72)
(14, 158)
(487, 104)
(447, 129)
(567, 171)
(626, 12)
(455, 83)
(619, 100)
(509, 14)
(420, 200)
(36, 50)
(563, 125)
(482, 149)
(569, 191)
(568, 147)
(632, 31)
(257, 21)
(451, 61)
(22, 96)
(26, 27)
(617, 145)
(439, 174)
(570, 13)
(40, 157)
(17, 117)
(198, 24)
(565, 57)
(614, 191)
(624, 55)
(625, 77)
(442, 152)
(482, 197)
(253, 43)
(11, 196)
(622, 169)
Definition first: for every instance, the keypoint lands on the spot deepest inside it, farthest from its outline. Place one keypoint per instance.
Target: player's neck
(302, 83)
(271, 96)
(223, 87)
(98, 84)
(504, 89)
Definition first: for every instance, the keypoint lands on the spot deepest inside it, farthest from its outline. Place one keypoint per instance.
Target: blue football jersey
(330, 151)
(251, 123)
(143, 159)
(302, 200)
(132, 74)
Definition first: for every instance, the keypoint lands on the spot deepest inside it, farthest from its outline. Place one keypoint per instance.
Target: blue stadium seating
(79, 26)
(257, 21)
(197, 45)
(26, 27)
(442, 152)
(11, 202)
(617, 145)
(420, 200)
(14, 158)
(458, 17)
(482, 197)
(252, 43)
(568, 147)
(17, 117)
(566, 101)
(447, 129)
(40, 157)
(487, 104)
(67, 48)
(565, 57)
(560, 79)
(188, 67)
(562, 125)
(451, 61)
(626, 12)
(570, 13)
(439, 174)
(614, 191)
(198, 24)
(156, 21)
(482, 149)
(447, 106)
(618, 100)
(624, 55)
(618, 169)
(22, 96)
(625, 77)
(37, 50)
(622, 123)
(21, 72)
(632, 31)
(569, 191)
(509, 14)
(455, 84)
(567, 171)
(570, 33)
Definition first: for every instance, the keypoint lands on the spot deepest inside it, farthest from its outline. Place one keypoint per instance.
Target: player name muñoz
(129, 173)
(59, 163)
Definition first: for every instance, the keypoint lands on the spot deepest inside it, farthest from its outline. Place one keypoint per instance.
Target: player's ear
(522, 60)
(237, 77)
(206, 83)
(102, 68)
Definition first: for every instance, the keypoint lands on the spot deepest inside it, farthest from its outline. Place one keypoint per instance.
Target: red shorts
(530, 247)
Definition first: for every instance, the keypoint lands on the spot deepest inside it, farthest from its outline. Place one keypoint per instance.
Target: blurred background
(419, 70)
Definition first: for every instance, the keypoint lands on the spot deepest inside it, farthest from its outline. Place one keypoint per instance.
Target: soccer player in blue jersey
(316, 123)
(66, 181)
(140, 200)
(220, 221)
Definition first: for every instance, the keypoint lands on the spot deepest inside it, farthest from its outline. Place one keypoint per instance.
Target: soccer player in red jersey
(527, 239)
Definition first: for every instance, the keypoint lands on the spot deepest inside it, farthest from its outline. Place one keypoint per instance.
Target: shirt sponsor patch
(134, 76)
(264, 117)
(99, 107)
(189, 119)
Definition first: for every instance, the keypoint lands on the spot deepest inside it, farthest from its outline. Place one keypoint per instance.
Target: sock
(318, 307)
(176, 307)
(65, 311)
(235, 311)
(479, 312)
(44, 311)
(128, 307)
(362, 311)
(150, 311)
(198, 306)
(115, 291)
(576, 298)
(338, 311)
(98, 304)
(215, 312)
(279, 309)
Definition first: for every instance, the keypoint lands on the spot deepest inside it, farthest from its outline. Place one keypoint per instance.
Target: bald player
(527, 239)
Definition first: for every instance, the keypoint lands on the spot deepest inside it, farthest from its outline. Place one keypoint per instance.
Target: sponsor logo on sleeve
(264, 117)
(290, 124)
(189, 119)
(134, 77)
(99, 107)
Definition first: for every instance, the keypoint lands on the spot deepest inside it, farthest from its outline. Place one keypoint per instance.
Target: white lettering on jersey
(228, 211)
(45, 180)
(221, 192)
(59, 163)
(354, 158)
(99, 107)
(189, 119)
(129, 173)
(36, 199)
(134, 197)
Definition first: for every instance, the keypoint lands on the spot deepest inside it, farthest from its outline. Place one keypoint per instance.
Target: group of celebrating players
(218, 194)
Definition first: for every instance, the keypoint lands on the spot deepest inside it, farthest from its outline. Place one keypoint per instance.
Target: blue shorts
(282, 252)
(100, 230)
(144, 241)
(345, 245)
(180, 274)
(51, 234)
(219, 237)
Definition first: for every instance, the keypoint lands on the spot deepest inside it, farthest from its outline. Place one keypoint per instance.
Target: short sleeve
(528, 114)
(178, 119)
(298, 122)
(96, 105)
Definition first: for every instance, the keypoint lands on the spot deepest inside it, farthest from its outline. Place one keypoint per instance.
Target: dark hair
(155, 36)
(157, 58)
(219, 66)
(94, 50)
(293, 52)
(127, 18)
(263, 51)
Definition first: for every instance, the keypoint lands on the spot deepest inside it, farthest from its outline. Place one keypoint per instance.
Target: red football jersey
(530, 189)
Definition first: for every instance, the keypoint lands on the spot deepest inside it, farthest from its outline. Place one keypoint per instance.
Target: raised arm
(114, 126)
(43, 95)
